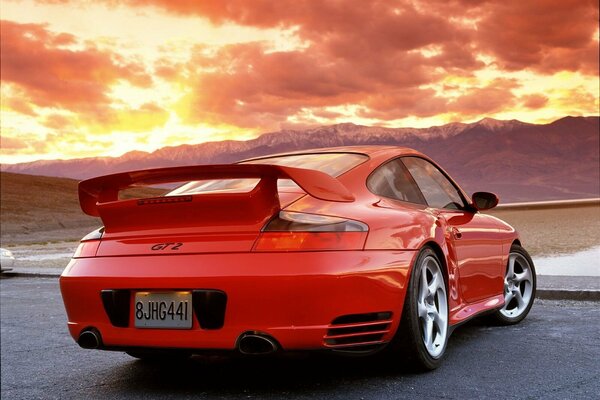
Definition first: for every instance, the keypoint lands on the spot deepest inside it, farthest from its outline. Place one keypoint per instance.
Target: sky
(105, 77)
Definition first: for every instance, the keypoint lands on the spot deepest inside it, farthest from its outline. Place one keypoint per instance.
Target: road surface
(553, 354)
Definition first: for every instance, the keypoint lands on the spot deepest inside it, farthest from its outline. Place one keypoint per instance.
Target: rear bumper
(294, 297)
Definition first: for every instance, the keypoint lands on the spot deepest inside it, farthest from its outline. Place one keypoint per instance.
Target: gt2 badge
(167, 246)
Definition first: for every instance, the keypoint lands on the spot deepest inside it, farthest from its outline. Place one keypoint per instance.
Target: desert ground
(554, 231)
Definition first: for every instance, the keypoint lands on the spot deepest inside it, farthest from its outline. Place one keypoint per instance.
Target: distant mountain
(519, 161)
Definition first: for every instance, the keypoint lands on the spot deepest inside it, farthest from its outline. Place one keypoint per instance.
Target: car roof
(370, 150)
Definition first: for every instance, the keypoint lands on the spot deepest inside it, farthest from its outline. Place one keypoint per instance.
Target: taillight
(294, 231)
(89, 244)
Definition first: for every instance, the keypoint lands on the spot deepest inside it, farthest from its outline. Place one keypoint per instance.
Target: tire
(519, 287)
(159, 355)
(423, 333)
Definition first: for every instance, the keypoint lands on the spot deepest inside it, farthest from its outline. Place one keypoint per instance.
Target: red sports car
(350, 249)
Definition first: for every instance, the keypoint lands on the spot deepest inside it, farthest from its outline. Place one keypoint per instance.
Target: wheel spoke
(421, 309)
(439, 320)
(519, 297)
(428, 332)
(423, 290)
(523, 276)
(508, 296)
(511, 265)
(433, 286)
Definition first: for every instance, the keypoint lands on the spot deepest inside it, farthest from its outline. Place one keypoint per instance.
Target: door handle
(456, 233)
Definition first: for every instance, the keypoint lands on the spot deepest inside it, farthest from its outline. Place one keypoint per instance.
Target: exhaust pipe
(255, 343)
(90, 339)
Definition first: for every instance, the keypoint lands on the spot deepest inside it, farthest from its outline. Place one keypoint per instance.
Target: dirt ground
(554, 231)
(37, 209)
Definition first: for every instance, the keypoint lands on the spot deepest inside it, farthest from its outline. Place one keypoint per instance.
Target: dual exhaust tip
(256, 343)
(90, 338)
(249, 343)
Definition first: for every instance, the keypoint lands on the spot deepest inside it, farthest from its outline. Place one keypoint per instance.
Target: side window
(394, 181)
(437, 189)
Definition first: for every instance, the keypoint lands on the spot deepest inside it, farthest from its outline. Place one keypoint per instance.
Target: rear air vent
(358, 332)
(116, 304)
(209, 306)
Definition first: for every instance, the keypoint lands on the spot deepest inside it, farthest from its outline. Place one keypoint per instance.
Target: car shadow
(289, 373)
(232, 374)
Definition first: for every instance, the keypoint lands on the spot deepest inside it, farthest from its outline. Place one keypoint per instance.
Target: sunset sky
(97, 78)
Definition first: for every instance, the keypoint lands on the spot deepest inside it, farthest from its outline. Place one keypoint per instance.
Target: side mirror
(484, 200)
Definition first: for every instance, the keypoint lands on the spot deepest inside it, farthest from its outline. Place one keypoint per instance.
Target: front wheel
(519, 287)
(423, 332)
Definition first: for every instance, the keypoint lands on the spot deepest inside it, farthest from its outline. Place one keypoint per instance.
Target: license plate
(163, 310)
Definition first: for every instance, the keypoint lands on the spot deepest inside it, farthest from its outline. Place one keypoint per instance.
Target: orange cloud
(534, 101)
(12, 144)
(376, 55)
(49, 73)
(57, 122)
(19, 105)
(488, 99)
(544, 35)
(247, 86)
(373, 65)
(578, 100)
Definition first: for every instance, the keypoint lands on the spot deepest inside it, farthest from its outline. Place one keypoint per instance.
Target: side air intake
(358, 332)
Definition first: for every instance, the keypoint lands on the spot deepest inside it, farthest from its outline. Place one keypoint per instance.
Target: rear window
(334, 164)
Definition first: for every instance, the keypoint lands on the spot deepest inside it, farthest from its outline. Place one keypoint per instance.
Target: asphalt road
(553, 354)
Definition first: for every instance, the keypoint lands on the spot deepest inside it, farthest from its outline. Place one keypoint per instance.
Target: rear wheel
(519, 287)
(423, 332)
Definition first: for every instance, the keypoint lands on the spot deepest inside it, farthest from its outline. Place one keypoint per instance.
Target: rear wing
(105, 189)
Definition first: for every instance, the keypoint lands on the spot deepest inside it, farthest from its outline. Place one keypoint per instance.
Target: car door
(472, 237)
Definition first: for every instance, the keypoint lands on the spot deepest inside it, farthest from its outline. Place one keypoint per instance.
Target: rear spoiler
(104, 189)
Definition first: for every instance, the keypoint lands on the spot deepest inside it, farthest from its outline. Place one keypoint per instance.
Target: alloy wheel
(518, 286)
(432, 307)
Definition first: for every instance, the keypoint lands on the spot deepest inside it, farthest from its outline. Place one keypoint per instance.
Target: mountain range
(518, 161)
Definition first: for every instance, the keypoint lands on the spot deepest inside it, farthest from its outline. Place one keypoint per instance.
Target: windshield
(333, 164)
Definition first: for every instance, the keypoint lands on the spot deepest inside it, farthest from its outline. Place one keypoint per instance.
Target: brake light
(292, 231)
